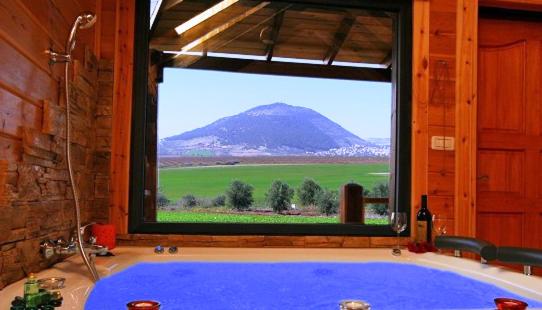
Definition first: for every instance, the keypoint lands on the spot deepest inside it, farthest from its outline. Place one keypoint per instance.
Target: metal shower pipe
(83, 21)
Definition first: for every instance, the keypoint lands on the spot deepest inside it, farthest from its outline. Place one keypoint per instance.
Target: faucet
(61, 247)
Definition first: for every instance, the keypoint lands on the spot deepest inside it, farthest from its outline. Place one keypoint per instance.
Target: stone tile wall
(36, 201)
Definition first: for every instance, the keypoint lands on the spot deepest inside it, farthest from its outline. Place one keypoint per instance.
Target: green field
(195, 217)
(209, 182)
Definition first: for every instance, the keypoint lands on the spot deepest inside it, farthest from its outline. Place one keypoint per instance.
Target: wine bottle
(423, 222)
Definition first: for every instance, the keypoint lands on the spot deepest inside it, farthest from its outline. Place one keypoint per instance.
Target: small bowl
(53, 283)
(510, 304)
(143, 305)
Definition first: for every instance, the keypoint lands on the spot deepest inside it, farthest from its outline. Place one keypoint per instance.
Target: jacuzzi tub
(78, 285)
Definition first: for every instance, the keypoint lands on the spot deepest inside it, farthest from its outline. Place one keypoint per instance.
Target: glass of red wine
(398, 222)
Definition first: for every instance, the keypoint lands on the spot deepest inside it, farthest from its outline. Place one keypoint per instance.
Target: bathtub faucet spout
(61, 247)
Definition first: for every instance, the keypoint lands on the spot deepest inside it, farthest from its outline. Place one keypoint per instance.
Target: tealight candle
(143, 305)
(355, 305)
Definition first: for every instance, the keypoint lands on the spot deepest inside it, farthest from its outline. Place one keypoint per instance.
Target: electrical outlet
(442, 143)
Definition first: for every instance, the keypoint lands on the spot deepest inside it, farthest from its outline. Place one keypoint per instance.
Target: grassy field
(194, 217)
(209, 182)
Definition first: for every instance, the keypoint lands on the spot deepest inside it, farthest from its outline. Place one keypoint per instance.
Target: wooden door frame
(466, 103)
(465, 111)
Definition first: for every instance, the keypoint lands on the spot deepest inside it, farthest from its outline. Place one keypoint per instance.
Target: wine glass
(439, 225)
(398, 221)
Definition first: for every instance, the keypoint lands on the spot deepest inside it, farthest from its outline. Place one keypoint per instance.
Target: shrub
(219, 201)
(380, 190)
(239, 195)
(308, 192)
(279, 196)
(161, 200)
(188, 201)
(328, 202)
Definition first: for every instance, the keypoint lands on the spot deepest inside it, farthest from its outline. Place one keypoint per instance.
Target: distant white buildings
(356, 151)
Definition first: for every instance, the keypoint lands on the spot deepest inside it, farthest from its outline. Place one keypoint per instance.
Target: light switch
(442, 143)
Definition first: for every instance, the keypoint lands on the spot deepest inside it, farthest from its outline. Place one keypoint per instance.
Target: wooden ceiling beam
(203, 40)
(387, 61)
(277, 24)
(169, 4)
(340, 37)
(220, 29)
(281, 68)
(203, 16)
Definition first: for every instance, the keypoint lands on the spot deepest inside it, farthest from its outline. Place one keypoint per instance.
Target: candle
(355, 305)
(143, 305)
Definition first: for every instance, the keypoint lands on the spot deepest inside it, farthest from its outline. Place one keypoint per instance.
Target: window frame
(400, 157)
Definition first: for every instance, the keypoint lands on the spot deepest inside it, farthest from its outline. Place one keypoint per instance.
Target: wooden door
(509, 184)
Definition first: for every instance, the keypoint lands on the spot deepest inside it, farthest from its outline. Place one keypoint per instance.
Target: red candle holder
(143, 305)
(105, 235)
(510, 304)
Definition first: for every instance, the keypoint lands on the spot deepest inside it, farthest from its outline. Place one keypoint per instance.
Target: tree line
(279, 197)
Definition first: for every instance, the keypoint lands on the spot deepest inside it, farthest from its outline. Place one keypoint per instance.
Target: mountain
(275, 129)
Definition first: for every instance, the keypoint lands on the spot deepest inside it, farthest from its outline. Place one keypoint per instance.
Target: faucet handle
(47, 248)
(73, 239)
(92, 240)
(84, 227)
(61, 241)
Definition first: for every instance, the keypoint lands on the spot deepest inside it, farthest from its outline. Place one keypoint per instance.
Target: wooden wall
(122, 112)
(466, 107)
(35, 197)
(433, 105)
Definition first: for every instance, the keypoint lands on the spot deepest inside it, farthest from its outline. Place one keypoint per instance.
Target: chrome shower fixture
(84, 21)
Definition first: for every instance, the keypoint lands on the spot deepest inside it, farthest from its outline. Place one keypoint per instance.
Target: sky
(190, 99)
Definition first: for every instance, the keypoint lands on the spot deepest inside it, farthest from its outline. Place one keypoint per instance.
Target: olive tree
(328, 202)
(239, 195)
(279, 196)
(308, 191)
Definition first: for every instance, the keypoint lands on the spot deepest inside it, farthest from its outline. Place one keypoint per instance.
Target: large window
(258, 117)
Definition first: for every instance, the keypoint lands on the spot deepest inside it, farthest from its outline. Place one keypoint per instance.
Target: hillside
(275, 129)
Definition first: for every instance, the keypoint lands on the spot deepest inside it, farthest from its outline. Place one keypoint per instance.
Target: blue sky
(190, 99)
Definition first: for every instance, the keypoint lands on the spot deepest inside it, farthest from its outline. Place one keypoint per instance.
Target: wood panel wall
(122, 113)
(420, 103)
(433, 106)
(35, 198)
(255, 241)
(466, 99)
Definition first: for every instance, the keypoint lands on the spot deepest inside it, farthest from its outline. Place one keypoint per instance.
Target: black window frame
(401, 128)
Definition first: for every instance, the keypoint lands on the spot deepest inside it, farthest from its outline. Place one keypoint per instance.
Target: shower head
(84, 21)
